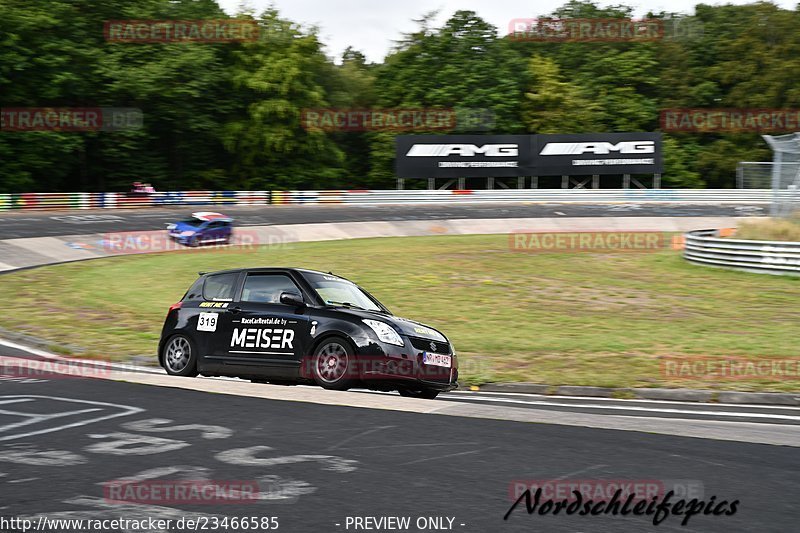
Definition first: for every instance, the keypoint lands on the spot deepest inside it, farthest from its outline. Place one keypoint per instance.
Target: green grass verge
(561, 319)
(774, 229)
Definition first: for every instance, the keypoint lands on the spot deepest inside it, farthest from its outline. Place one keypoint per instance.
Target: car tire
(175, 358)
(427, 394)
(334, 364)
(193, 242)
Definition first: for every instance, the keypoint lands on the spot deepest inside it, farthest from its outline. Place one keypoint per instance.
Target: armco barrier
(113, 200)
(525, 195)
(769, 257)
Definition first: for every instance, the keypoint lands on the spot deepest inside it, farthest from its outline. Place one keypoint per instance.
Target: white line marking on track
(534, 400)
(21, 400)
(34, 419)
(126, 411)
(641, 409)
(90, 362)
(600, 399)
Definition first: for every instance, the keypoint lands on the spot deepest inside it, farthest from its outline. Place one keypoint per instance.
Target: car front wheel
(180, 357)
(334, 364)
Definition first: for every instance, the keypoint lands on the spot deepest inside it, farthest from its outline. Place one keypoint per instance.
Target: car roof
(273, 269)
(209, 215)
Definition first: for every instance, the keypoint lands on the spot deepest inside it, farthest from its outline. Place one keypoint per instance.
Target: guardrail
(527, 195)
(119, 200)
(115, 200)
(768, 257)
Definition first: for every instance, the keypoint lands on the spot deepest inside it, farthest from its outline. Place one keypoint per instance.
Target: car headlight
(385, 332)
(187, 233)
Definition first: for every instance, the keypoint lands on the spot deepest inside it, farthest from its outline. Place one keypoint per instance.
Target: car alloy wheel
(333, 362)
(178, 357)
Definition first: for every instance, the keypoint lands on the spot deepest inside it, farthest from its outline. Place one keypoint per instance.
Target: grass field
(774, 229)
(569, 318)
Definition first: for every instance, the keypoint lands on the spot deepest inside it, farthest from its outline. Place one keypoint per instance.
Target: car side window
(267, 288)
(219, 287)
(195, 292)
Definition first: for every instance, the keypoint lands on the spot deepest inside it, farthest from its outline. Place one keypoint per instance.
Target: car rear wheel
(427, 394)
(334, 364)
(180, 357)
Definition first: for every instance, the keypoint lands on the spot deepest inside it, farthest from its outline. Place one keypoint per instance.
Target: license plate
(437, 359)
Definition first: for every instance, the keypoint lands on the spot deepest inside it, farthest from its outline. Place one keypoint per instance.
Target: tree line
(228, 116)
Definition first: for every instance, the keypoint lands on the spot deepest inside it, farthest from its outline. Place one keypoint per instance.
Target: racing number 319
(207, 322)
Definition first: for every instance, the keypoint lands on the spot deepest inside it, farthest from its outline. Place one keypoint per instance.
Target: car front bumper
(388, 366)
(180, 238)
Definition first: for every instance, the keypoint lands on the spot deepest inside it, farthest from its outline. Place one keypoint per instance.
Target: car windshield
(195, 222)
(338, 291)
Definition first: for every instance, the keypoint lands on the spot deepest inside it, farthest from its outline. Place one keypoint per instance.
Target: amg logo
(599, 148)
(464, 150)
(262, 338)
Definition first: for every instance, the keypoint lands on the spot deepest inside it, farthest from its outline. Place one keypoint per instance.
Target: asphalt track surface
(23, 224)
(316, 465)
(321, 464)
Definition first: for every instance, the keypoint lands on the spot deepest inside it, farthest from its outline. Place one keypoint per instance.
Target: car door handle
(235, 310)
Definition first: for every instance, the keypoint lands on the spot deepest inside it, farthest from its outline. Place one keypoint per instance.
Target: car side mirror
(292, 298)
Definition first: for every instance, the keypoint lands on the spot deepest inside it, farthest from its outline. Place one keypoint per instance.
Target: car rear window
(219, 287)
(195, 292)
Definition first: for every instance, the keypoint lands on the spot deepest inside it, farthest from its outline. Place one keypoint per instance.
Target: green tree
(278, 77)
(553, 105)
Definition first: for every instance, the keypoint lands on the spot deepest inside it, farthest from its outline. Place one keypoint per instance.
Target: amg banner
(454, 156)
(597, 153)
(481, 156)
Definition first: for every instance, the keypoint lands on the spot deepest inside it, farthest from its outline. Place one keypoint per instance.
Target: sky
(372, 25)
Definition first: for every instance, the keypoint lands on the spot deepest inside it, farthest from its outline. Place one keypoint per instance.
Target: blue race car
(203, 227)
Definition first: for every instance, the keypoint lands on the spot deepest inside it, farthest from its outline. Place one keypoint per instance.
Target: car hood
(407, 327)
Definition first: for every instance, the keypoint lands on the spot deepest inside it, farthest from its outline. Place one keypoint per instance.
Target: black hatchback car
(290, 326)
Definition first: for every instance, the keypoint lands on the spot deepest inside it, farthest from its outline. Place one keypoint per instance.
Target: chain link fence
(785, 174)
